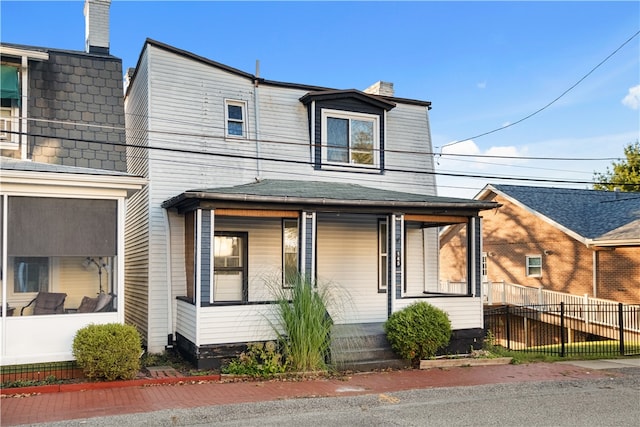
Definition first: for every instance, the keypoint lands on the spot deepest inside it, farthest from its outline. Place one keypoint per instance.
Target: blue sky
(483, 65)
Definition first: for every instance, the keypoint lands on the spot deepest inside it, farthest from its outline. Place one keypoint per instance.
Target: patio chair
(47, 303)
(99, 304)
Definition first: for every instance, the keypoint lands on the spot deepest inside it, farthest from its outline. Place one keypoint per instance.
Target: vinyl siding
(181, 103)
(137, 218)
(237, 324)
(348, 260)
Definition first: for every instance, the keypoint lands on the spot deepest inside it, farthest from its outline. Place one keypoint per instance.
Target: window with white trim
(235, 118)
(290, 251)
(534, 265)
(9, 124)
(383, 257)
(350, 138)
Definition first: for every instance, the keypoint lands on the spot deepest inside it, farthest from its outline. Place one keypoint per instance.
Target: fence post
(562, 333)
(504, 292)
(585, 311)
(621, 325)
(508, 327)
(489, 292)
(540, 302)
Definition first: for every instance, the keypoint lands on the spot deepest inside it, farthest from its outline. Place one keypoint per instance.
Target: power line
(550, 103)
(311, 163)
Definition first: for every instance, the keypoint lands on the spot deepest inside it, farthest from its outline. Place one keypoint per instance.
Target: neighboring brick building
(567, 240)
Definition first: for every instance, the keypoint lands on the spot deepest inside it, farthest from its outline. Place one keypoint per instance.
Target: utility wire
(550, 103)
(233, 154)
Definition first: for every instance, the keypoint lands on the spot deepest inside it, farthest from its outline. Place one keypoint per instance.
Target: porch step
(363, 347)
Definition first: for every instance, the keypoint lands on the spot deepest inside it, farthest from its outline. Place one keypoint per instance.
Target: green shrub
(111, 351)
(260, 360)
(418, 331)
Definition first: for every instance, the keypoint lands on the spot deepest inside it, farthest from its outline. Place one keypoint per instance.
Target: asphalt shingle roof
(329, 192)
(591, 214)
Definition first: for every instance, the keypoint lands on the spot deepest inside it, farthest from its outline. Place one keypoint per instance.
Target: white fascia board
(19, 53)
(595, 243)
(22, 179)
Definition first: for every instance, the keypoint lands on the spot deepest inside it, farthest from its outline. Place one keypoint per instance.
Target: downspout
(256, 112)
(23, 108)
(3, 272)
(170, 328)
(595, 273)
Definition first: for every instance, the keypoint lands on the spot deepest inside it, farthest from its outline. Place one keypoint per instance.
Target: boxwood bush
(110, 351)
(418, 331)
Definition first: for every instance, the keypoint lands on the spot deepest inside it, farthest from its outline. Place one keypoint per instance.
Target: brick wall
(511, 233)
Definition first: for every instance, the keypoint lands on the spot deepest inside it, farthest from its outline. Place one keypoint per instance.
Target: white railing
(584, 308)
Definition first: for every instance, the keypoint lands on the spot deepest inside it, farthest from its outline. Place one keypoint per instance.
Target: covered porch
(377, 250)
(62, 232)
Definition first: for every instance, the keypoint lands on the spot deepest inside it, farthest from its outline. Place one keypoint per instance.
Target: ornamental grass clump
(110, 351)
(418, 331)
(303, 324)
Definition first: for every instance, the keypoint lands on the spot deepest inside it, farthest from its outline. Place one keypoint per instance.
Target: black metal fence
(566, 329)
(39, 373)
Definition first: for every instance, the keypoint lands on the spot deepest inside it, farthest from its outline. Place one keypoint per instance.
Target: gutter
(250, 198)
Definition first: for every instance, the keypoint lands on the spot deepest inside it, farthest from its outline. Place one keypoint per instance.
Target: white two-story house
(251, 179)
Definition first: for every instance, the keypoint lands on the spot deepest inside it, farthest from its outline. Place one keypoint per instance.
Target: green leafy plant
(110, 351)
(304, 325)
(260, 360)
(418, 331)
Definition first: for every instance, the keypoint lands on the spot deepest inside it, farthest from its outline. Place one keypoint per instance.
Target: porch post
(308, 244)
(395, 257)
(474, 254)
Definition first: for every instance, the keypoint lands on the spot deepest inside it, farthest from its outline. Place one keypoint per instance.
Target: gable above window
(347, 129)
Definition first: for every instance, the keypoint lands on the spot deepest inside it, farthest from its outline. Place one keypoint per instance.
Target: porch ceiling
(300, 195)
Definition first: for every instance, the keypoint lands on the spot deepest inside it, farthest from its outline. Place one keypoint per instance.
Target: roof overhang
(16, 180)
(37, 55)
(379, 201)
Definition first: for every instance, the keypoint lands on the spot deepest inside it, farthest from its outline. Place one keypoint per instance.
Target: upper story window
(534, 265)
(350, 138)
(235, 118)
(9, 111)
(347, 130)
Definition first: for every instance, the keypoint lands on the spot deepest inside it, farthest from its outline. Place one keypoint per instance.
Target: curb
(450, 363)
(142, 382)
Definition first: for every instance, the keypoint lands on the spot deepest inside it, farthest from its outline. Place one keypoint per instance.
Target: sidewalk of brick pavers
(87, 400)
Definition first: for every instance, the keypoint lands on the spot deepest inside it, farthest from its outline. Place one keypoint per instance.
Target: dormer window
(347, 129)
(350, 138)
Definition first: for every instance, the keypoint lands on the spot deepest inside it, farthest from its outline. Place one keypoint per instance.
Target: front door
(230, 267)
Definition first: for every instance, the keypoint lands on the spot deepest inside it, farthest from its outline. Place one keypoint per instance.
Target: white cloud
(482, 85)
(461, 147)
(632, 100)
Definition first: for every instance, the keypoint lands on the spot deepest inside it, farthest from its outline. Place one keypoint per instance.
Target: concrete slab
(605, 363)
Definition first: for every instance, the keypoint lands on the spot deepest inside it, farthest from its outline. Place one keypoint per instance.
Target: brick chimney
(380, 88)
(96, 19)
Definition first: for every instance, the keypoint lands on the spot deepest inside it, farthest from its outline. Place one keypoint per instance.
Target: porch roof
(296, 194)
(26, 172)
